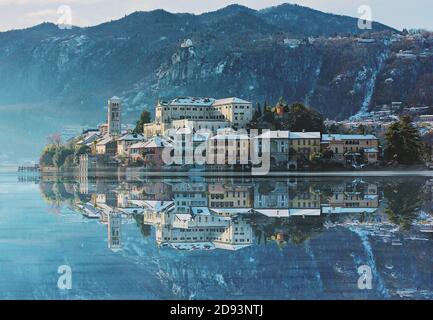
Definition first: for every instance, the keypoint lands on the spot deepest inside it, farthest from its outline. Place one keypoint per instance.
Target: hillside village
(220, 129)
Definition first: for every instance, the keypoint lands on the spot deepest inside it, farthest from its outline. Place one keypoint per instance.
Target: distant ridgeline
(322, 60)
(286, 50)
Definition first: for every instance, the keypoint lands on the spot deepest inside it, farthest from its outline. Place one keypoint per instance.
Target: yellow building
(305, 142)
(229, 196)
(349, 145)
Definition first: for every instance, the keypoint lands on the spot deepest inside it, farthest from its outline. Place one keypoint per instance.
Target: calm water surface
(216, 238)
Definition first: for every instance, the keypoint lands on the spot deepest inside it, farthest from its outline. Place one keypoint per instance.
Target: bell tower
(114, 116)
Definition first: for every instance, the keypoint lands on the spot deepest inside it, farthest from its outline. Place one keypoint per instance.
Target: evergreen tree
(60, 156)
(404, 199)
(259, 110)
(144, 118)
(302, 118)
(403, 143)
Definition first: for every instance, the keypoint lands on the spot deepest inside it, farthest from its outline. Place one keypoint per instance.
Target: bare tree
(55, 139)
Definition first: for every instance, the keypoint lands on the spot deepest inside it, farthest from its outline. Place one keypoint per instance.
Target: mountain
(53, 78)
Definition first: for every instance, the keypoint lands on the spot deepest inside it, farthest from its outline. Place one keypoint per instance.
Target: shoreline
(139, 173)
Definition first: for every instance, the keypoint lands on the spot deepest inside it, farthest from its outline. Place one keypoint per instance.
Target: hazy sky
(24, 13)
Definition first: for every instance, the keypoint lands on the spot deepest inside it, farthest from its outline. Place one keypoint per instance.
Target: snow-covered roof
(230, 246)
(275, 135)
(157, 206)
(329, 210)
(201, 137)
(131, 210)
(138, 145)
(105, 140)
(233, 135)
(155, 142)
(131, 137)
(89, 138)
(158, 142)
(231, 210)
(285, 213)
(184, 216)
(333, 137)
(205, 102)
(305, 212)
(106, 208)
(152, 205)
(202, 211)
(185, 130)
(90, 211)
(192, 101)
(230, 101)
(205, 245)
(305, 135)
(274, 213)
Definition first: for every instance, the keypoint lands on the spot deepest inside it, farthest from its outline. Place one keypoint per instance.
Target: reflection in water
(210, 238)
(232, 214)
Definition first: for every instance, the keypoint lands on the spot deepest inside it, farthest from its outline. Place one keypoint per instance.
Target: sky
(17, 14)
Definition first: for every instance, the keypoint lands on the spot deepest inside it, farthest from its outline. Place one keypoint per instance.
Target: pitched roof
(205, 102)
(230, 100)
(305, 135)
(202, 211)
(275, 135)
(192, 101)
(333, 137)
(229, 134)
(284, 213)
(105, 140)
(155, 142)
(131, 137)
(158, 142)
(138, 145)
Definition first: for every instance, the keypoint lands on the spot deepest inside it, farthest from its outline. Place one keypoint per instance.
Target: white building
(237, 112)
(200, 125)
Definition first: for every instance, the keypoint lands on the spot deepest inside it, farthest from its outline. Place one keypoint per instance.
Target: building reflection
(220, 213)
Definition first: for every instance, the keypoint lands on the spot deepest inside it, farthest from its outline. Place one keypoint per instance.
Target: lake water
(216, 238)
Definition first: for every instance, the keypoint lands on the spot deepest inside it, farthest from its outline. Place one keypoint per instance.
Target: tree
(46, 158)
(404, 199)
(55, 139)
(403, 143)
(328, 154)
(69, 162)
(83, 149)
(362, 129)
(144, 118)
(60, 156)
(257, 113)
(302, 118)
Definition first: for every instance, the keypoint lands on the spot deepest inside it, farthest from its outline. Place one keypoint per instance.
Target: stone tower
(114, 231)
(114, 116)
